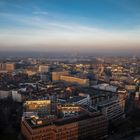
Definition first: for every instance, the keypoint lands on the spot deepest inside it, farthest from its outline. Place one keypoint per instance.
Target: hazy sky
(70, 25)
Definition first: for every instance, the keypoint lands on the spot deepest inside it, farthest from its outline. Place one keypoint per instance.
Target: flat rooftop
(75, 99)
(63, 121)
(108, 102)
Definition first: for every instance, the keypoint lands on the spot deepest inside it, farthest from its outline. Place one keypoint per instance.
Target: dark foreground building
(84, 126)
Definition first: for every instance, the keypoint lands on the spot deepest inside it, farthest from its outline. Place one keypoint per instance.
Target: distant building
(38, 106)
(9, 67)
(44, 77)
(81, 100)
(68, 110)
(130, 88)
(76, 80)
(30, 72)
(43, 68)
(106, 87)
(2, 67)
(56, 75)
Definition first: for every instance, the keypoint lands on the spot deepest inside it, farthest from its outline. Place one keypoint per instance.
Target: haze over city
(69, 69)
(69, 25)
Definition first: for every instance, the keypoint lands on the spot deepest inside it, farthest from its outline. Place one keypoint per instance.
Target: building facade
(56, 75)
(84, 127)
(76, 80)
(70, 122)
(113, 109)
(10, 67)
(43, 68)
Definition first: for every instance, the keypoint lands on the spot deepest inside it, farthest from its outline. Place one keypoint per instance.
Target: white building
(106, 87)
(43, 68)
(113, 109)
(81, 100)
(16, 96)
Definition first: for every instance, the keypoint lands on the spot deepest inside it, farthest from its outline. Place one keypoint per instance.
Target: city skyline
(76, 25)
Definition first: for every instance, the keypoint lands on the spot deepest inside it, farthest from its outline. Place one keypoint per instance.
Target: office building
(113, 109)
(43, 68)
(76, 80)
(56, 75)
(9, 67)
(30, 72)
(81, 100)
(72, 123)
(42, 107)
